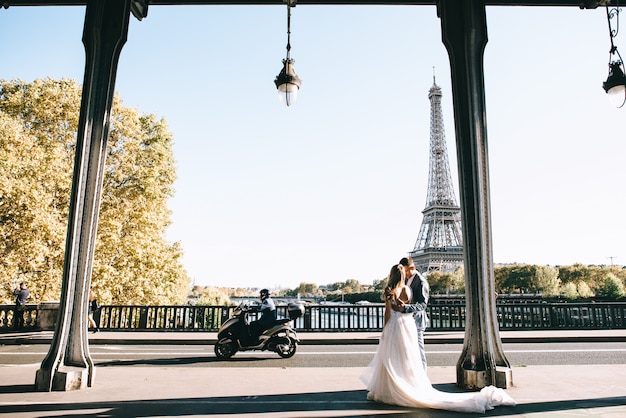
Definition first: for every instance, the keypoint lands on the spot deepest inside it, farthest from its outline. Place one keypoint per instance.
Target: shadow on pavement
(556, 406)
(334, 404)
(17, 388)
(176, 361)
(181, 361)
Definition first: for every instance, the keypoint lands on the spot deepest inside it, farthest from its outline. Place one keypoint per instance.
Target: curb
(304, 340)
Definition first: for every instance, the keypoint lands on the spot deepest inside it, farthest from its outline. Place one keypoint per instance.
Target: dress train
(396, 375)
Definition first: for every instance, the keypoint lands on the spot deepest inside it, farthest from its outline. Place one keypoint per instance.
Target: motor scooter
(234, 334)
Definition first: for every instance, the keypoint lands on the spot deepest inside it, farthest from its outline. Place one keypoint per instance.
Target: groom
(419, 301)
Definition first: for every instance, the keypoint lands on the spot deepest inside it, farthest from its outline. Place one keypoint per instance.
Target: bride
(396, 375)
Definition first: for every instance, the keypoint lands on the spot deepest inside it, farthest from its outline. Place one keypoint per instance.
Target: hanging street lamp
(287, 82)
(615, 84)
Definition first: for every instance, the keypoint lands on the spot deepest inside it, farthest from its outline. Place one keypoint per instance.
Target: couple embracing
(397, 374)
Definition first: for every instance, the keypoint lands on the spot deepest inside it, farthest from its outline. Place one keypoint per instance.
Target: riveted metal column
(68, 364)
(464, 33)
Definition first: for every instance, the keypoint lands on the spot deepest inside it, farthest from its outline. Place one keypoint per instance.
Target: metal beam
(583, 4)
(464, 33)
(68, 364)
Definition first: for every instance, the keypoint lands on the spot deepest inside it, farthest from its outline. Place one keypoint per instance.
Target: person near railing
(21, 294)
(93, 308)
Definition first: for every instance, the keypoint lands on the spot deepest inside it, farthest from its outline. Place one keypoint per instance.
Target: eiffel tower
(439, 245)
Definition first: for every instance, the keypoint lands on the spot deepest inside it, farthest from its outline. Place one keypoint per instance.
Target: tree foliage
(532, 279)
(447, 283)
(133, 263)
(612, 288)
(579, 282)
(574, 273)
(379, 285)
(306, 289)
(528, 278)
(214, 296)
(349, 286)
(545, 280)
(570, 292)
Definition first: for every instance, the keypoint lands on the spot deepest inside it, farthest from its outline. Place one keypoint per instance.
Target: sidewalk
(237, 390)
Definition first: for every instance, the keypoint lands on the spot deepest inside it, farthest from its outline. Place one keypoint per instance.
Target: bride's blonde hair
(396, 277)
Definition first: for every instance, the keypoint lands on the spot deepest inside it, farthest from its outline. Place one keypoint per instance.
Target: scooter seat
(282, 321)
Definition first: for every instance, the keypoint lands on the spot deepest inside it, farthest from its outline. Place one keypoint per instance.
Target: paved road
(439, 355)
(172, 387)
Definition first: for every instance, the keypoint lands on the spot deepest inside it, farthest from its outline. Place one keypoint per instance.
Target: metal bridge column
(68, 364)
(464, 33)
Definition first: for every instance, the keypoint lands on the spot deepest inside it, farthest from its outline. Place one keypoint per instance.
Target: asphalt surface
(549, 391)
(204, 338)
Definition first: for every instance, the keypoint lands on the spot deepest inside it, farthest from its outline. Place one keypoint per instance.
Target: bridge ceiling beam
(583, 4)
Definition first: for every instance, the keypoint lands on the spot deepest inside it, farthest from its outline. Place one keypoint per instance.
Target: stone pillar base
(66, 378)
(504, 377)
(477, 379)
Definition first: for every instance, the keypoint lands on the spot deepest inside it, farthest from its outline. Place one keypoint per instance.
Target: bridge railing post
(143, 318)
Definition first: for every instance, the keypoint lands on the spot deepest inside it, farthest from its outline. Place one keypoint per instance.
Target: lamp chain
(289, 30)
(612, 13)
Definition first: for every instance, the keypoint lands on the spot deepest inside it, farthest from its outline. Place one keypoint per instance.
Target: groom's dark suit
(419, 301)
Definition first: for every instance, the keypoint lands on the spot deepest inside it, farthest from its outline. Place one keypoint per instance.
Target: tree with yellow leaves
(133, 262)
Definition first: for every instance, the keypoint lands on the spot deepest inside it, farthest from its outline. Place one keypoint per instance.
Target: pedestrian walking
(93, 309)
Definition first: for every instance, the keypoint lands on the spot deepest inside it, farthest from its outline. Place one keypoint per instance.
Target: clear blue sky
(333, 187)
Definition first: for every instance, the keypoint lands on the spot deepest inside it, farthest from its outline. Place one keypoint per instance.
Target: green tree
(513, 279)
(500, 274)
(437, 282)
(612, 287)
(597, 275)
(446, 283)
(305, 289)
(619, 272)
(544, 280)
(574, 273)
(584, 290)
(133, 262)
(349, 286)
(526, 278)
(335, 286)
(36, 153)
(379, 285)
(352, 286)
(458, 280)
(213, 296)
(569, 290)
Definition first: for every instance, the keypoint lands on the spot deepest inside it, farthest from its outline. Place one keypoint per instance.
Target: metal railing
(444, 316)
(8, 316)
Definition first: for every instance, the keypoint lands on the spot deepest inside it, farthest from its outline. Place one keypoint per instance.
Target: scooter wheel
(287, 348)
(225, 350)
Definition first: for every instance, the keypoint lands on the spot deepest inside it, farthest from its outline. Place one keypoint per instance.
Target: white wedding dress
(396, 375)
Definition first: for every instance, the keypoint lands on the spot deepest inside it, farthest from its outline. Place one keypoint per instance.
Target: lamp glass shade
(617, 95)
(288, 93)
(615, 84)
(287, 83)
